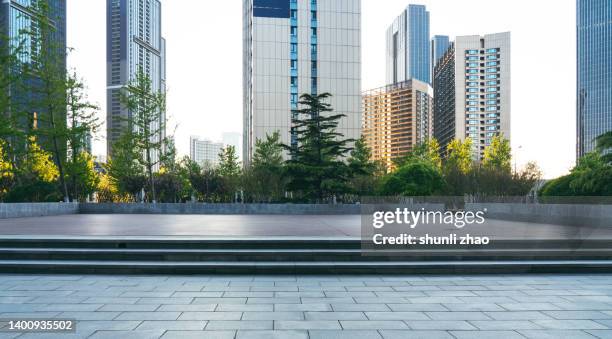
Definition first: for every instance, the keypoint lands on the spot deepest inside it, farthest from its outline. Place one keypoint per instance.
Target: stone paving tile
(303, 307)
(211, 316)
(518, 315)
(130, 308)
(335, 316)
(475, 307)
(441, 325)
(307, 325)
(602, 334)
(570, 324)
(199, 335)
(148, 316)
(397, 316)
(239, 325)
(346, 334)
(172, 325)
(275, 316)
(417, 307)
(486, 335)
(578, 315)
(493, 325)
(555, 334)
(88, 315)
(272, 335)
(245, 308)
(412, 334)
(148, 334)
(360, 307)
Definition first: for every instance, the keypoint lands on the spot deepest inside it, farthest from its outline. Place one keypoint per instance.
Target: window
(294, 48)
(491, 96)
(472, 103)
(473, 109)
(472, 71)
(492, 76)
(293, 14)
(294, 31)
(492, 50)
(493, 82)
(472, 58)
(473, 77)
(491, 128)
(472, 64)
(472, 51)
(472, 96)
(472, 116)
(491, 102)
(492, 63)
(472, 90)
(294, 64)
(489, 134)
(491, 70)
(492, 121)
(492, 89)
(491, 108)
(492, 115)
(472, 84)
(472, 122)
(472, 129)
(491, 57)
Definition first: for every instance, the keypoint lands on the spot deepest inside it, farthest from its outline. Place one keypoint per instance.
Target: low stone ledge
(27, 210)
(200, 208)
(558, 214)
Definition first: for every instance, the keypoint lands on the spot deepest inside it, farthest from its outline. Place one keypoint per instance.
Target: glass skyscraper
(594, 87)
(439, 46)
(134, 41)
(408, 51)
(292, 47)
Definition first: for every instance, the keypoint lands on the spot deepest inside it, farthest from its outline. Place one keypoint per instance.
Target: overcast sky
(204, 40)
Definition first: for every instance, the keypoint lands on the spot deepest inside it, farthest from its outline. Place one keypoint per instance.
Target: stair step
(160, 267)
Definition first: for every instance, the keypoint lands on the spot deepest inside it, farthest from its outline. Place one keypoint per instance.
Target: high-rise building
(203, 151)
(439, 46)
(396, 118)
(594, 87)
(17, 19)
(134, 42)
(408, 52)
(293, 47)
(472, 87)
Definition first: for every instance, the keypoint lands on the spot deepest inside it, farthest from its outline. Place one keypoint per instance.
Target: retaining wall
(574, 215)
(262, 209)
(26, 210)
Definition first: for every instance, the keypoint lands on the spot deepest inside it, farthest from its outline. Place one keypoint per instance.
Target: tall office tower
(293, 47)
(439, 46)
(17, 17)
(396, 118)
(594, 96)
(134, 42)
(408, 52)
(204, 151)
(476, 104)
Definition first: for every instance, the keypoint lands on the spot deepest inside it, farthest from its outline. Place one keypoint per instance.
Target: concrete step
(323, 267)
(298, 255)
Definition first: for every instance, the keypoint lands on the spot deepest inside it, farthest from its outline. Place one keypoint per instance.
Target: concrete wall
(263, 209)
(574, 215)
(26, 210)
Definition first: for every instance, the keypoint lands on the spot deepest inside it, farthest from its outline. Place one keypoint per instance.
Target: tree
(205, 181)
(147, 124)
(7, 174)
(82, 124)
(604, 146)
(125, 171)
(229, 170)
(83, 177)
(498, 155)
(417, 178)
(592, 176)
(364, 172)
(316, 168)
(457, 166)
(264, 180)
(426, 151)
(47, 87)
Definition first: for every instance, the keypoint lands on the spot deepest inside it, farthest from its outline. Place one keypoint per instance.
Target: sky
(204, 64)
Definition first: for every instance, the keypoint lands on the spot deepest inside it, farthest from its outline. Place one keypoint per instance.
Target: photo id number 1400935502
(37, 325)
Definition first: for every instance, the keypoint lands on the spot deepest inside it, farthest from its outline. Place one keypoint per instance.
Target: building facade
(408, 46)
(594, 87)
(17, 18)
(293, 47)
(134, 42)
(478, 101)
(396, 118)
(204, 151)
(439, 46)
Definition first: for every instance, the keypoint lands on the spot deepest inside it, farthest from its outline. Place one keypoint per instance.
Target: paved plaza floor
(356, 307)
(267, 226)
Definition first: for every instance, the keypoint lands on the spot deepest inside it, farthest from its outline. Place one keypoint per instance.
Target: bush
(413, 179)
